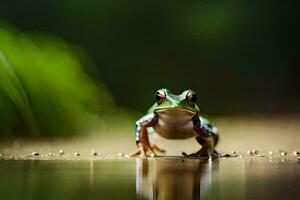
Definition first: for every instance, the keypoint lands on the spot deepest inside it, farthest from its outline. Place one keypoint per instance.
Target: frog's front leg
(141, 136)
(207, 137)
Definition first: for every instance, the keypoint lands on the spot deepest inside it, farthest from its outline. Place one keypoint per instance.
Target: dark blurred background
(240, 56)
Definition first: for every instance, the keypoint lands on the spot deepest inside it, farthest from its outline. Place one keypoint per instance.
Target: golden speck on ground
(34, 153)
(296, 153)
(93, 153)
(283, 153)
(254, 151)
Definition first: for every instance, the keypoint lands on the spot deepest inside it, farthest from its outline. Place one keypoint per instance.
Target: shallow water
(171, 178)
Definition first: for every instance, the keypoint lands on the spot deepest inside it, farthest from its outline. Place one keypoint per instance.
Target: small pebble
(120, 154)
(61, 152)
(233, 152)
(153, 155)
(296, 153)
(210, 160)
(50, 154)
(249, 152)
(93, 153)
(254, 151)
(270, 153)
(283, 153)
(76, 154)
(35, 153)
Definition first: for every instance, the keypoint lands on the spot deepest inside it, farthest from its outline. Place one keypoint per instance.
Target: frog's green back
(206, 121)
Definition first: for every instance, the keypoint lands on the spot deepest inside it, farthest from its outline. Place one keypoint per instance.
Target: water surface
(170, 178)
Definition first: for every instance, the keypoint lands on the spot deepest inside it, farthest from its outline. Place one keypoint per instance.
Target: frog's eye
(160, 96)
(191, 97)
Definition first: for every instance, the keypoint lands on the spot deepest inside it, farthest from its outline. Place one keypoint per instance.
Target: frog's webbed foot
(144, 148)
(207, 150)
(203, 153)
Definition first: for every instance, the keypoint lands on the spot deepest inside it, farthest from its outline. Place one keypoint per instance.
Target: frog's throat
(175, 123)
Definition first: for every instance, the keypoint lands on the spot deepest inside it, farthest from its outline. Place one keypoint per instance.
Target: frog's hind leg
(208, 147)
(206, 151)
(207, 137)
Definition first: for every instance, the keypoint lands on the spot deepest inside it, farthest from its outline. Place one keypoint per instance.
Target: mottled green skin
(174, 101)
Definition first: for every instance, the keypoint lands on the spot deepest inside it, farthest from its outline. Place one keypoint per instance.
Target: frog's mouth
(176, 112)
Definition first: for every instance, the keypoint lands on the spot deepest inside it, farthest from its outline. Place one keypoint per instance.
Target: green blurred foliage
(240, 56)
(44, 88)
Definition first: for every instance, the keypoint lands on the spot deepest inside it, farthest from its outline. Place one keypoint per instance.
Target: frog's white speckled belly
(175, 123)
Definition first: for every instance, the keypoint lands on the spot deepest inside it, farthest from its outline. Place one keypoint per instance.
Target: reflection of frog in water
(176, 117)
(173, 178)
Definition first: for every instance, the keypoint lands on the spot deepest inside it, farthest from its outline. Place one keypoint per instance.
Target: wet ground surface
(261, 161)
(153, 178)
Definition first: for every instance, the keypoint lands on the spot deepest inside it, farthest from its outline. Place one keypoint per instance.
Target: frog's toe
(195, 155)
(137, 153)
(203, 154)
(156, 148)
(134, 153)
(142, 155)
(210, 153)
(213, 154)
(144, 148)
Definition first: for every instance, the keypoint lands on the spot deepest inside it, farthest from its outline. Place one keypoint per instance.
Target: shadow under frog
(172, 178)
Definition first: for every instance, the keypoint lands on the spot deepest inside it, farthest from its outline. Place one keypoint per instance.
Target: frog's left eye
(160, 96)
(191, 97)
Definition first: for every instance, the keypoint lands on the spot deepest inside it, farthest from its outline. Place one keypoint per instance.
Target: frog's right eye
(191, 97)
(160, 96)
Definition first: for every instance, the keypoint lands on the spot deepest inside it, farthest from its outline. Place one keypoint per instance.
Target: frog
(175, 117)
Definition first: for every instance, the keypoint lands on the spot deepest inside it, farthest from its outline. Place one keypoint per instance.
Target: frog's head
(166, 100)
